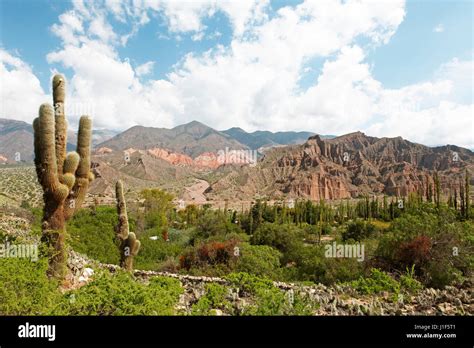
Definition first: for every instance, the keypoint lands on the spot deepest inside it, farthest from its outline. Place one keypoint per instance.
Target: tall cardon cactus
(129, 244)
(64, 177)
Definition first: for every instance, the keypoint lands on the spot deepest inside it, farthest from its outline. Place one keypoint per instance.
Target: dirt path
(195, 193)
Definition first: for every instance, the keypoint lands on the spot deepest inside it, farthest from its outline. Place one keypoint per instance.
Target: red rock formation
(174, 158)
(103, 150)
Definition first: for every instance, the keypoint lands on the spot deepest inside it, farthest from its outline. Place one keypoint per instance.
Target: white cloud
(144, 69)
(20, 90)
(439, 28)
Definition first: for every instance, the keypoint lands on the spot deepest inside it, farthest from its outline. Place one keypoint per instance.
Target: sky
(387, 68)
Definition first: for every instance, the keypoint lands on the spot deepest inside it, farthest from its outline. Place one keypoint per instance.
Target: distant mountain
(264, 139)
(16, 137)
(192, 139)
(347, 166)
(16, 141)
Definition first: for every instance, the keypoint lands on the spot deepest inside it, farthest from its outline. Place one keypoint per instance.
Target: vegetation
(407, 246)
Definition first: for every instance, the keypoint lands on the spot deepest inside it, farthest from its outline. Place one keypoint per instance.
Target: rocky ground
(333, 300)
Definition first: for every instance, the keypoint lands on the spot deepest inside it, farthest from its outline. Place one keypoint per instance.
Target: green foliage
(94, 234)
(25, 289)
(261, 260)
(377, 282)
(269, 300)
(314, 266)
(358, 230)
(158, 206)
(286, 238)
(121, 294)
(214, 224)
(408, 281)
(214, 298)
(429, 240)
(154, 252)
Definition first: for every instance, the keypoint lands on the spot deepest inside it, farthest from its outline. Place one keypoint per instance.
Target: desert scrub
(154, 252)
(379, 281)
(261, 260)
(214, 298)
(268, 299)
(25, 289)
(408, 281)
(93, 234)
(121, 294)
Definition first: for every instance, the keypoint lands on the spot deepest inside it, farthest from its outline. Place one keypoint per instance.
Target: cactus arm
(81, 184)
(129, 244)
(47, 155)
(122, 227)
(37, 142)
(59, 94)
(70, 166)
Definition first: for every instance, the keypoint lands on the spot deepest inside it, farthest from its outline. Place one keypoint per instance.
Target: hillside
(259, 139)
(191, 139)
(348, 166)
(17, 137)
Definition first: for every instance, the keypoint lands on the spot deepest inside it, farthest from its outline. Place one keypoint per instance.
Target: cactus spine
(61, 175)
(129, 244)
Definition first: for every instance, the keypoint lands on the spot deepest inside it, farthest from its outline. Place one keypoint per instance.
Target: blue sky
(328, 66)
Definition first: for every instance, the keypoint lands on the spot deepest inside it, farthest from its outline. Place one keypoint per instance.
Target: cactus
(129, 244)
(64, 177)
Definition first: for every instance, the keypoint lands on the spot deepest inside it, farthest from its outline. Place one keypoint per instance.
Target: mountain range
(290, 164)
(191, 139)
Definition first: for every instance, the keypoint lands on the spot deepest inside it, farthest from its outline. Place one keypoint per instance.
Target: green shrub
(377, 282)
(268, 299)
(94, 234)
(214, 223)
(284, 237)
(428, 241)
(214, 298)
(25, 289)
(261, 260)
(358, 230)
(408, 281)
(154, 252)
(121, 294)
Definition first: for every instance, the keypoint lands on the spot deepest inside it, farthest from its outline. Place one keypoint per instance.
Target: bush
(429, 242)
(214, 298)
(25, 289)
(214, 223)
(94, 234)
(408, 281)
(377, 282)
(269, 300)
(314, 266)
(284, 237)
(211, 253)
(358, 230)
(415, 252)
(154, 252)
(261, 260)
(121, 294)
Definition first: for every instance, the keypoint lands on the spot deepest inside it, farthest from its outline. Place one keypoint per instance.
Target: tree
(158, 206)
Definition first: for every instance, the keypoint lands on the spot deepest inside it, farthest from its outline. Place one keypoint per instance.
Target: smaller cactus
(129, 244)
